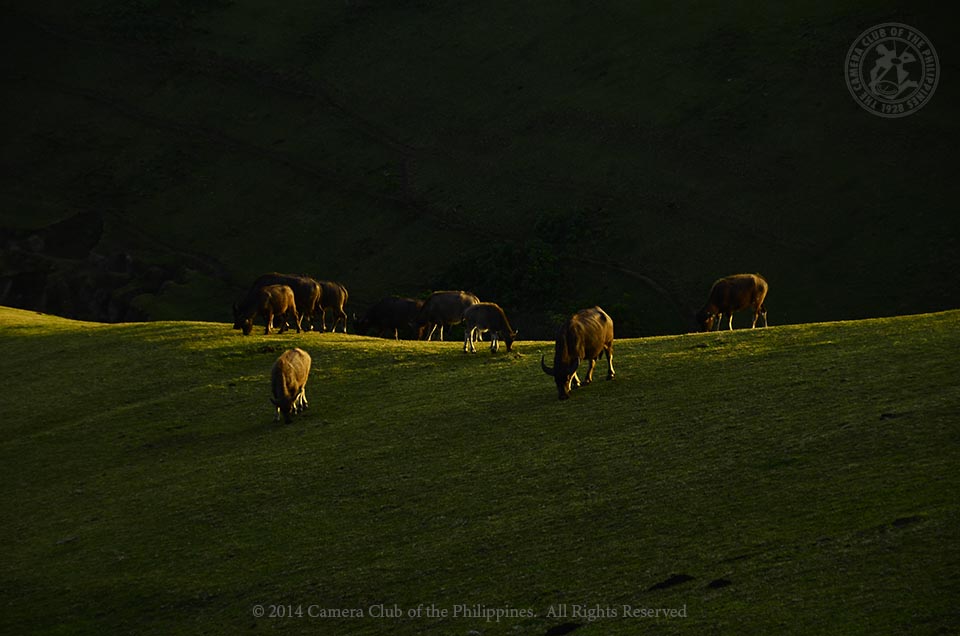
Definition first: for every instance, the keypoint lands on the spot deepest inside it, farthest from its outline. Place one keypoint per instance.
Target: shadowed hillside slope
(546, 155)
(792, 480)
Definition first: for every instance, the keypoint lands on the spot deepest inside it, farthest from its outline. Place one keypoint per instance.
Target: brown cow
(584, 336)
(486, 317)
(269, 301)
(731, 294)
(306, 291)
(391, 315)
(288, 383)
(444, 308)
(332, 297)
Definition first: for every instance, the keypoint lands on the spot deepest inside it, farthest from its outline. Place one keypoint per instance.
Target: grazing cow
(288, 382)
(392, 314)
(268, 301)
(332, 297)
(486, 317)
(444, 308)
(306, 291)
(731, 294)
(585, 336)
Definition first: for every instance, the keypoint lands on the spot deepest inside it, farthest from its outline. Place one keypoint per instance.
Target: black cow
(306, 291)
(731, 294)
(288, 383)
(444, 308)
(486, 317)
(391, 315)
(267, 301)
(333, 297)
(584, 336)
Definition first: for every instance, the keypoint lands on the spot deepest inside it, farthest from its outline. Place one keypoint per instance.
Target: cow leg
(763, 312)
(590, 367)
(610, 372)
(343, 317)
(276, 417)
(730, 321)
(574, 381)
(441, 332)
(266, 331)
(432, 329)
(297, 319)
(494, 343)
(467, 340)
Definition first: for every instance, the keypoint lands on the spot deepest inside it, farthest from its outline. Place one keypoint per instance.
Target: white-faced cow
(584, 336)
(288, 383)
(731, 294)
(391, 315)
(267, 302)
(333, 297)
(306, 291)
(486, 317)
(444, 308)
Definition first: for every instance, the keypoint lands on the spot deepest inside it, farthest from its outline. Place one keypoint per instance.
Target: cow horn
(545, 368)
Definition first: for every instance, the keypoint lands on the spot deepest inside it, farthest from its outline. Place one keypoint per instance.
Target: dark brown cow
(269, 301)
(306, 291)
(391, 315)
(444, 308)
(333, 297)
(288, 383)
(486, 317)
(731, 294)
(585, 336)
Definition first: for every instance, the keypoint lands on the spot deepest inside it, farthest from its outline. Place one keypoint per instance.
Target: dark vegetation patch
(200, 124)
(892, 416)
(59, 269)
(903, 522)
(676, 579)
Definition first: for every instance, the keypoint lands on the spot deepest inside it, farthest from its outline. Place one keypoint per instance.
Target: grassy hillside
(791, 480)
(619, 153)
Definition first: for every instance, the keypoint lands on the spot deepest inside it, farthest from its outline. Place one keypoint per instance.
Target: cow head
(284, 407)
(706, 319)
(421, 328)
(564, 374)
(242, 322)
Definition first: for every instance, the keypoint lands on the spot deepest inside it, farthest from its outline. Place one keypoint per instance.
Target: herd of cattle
(586, 335)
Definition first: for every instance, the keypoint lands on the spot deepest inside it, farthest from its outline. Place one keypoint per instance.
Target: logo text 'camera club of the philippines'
(892, 70)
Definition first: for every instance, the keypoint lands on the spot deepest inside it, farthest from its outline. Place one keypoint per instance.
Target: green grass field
(791, 480)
